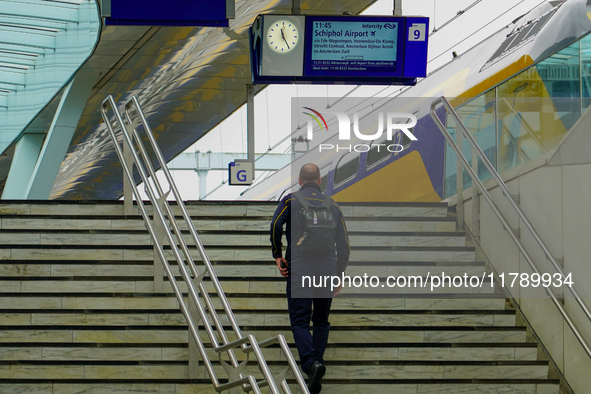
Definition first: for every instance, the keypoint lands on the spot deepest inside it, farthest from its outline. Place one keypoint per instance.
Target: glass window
(324, 178)
(347, 168)
(402, 139)
(537, 107)
(378, 152)
(586, 71)
(450, 174)
(478, 116)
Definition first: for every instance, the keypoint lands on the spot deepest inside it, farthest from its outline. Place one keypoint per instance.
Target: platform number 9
(416, 32)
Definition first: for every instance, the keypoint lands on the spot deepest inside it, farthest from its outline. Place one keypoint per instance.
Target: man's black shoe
(317, 371)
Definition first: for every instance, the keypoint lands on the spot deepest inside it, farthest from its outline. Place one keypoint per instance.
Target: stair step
(265, 269)
(443, 388)
(250, 318)
(518, 370)
(405, 224)
(158, 335)
(260, 303)
(212, 208)
(113, 238)
(397, 254)
(272, 286)
(547, 387)
(491, 353)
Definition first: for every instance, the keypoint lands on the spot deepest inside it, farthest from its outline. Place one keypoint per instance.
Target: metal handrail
(504, 221)
(183, 257)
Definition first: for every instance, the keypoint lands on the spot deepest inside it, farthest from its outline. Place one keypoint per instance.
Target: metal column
(250, 125)
(25, 157)
(397, 7)
(295, 7)
(202, 174)
(60, 135)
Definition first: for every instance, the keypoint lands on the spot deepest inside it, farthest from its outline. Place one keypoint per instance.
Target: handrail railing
(133, 143)
(505, 190)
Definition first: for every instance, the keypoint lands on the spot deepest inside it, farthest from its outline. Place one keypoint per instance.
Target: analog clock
(282, 36)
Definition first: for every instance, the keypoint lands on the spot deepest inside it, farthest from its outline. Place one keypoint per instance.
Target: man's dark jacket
(283, 215)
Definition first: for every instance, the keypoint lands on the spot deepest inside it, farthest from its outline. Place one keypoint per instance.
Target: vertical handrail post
(159, 243)
(250, 134)
(459, 184)
(193, 352)
(127, 193)
(475, 200)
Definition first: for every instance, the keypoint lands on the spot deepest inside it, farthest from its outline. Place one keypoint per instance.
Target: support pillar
(203, 166)
(60, 135)
(25, 156)
(250, 126)
(397, 7)
(296, 8)
(202, 183)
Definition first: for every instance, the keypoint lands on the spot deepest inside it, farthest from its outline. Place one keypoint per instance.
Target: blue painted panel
(417, 39)
(168, 13)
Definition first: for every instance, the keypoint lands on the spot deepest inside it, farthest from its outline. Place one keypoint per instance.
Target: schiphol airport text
(346, 33)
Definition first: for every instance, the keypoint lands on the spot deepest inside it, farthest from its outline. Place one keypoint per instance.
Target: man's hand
(338, 290)
(282, 270)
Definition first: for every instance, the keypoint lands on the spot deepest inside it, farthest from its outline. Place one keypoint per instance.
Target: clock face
(282, 36)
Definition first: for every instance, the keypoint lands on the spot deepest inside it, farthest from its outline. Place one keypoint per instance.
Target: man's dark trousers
(310, 347)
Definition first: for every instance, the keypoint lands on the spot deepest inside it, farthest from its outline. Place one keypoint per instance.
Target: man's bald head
(309, 173)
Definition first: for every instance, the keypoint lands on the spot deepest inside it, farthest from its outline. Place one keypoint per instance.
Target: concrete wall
(555, 193)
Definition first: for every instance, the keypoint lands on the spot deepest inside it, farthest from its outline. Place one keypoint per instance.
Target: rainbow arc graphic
(318, 115)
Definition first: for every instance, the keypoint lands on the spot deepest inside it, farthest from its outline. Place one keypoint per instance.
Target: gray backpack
(317, 227)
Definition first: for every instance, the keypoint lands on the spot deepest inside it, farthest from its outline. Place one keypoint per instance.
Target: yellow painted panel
(523, 62)
(404, 180)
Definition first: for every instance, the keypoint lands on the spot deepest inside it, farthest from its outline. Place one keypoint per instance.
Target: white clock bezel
(282, 63)
(284, 50)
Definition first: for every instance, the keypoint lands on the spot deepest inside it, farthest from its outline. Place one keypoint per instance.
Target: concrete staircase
(78, 313)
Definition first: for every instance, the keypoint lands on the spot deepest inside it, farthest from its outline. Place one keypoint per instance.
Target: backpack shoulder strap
(302, 200)
(326, 203)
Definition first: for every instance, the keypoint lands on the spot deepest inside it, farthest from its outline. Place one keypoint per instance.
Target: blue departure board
(354, 46)
(340, 49)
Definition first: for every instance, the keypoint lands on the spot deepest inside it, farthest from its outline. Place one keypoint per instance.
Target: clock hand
(283, 36)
